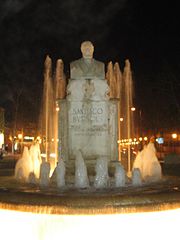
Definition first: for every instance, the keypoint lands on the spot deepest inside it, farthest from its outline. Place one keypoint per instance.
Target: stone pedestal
(88, 122)
(88, 128)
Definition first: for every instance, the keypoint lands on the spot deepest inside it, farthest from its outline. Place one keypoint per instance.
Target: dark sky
(146, 32)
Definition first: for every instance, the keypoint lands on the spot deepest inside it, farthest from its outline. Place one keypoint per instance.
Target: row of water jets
(32, 169)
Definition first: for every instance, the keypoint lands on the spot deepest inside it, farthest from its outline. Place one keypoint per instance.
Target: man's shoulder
(76, 62)
(81, 60)
(98, 63)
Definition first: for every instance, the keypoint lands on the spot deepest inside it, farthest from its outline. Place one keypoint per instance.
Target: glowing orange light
(20, 136)
(1, 139)
(10, 138)
(57, 108)
(174, 135)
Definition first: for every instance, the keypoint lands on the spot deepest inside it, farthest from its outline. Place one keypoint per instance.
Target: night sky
(145, 32)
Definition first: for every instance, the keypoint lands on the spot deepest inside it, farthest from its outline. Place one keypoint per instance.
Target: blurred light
(57, 107)
(133, 109)
(10, 138)
(174, 135)
(1, 139)
(145, 138)
(16, 146)
(160, 140)
(53, 155)
(20, 136)
(28, 138)
(118, 141)
(140, 139)
(38, 138)
(121, 119)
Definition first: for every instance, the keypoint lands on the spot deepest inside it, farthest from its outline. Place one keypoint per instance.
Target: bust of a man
(87, 67)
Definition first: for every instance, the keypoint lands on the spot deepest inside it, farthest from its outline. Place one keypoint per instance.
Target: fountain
(148, 164)
(44, 174)
(83, 185)
(60, 174)
(120, 175)
(101, 179)
(136, 177)
(81, 176)
(35, 155)
(24, 166)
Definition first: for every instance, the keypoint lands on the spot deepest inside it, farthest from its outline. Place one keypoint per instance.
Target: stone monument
(87, 67)
(87, 118)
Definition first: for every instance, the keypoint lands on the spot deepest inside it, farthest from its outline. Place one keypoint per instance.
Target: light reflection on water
(146, 226)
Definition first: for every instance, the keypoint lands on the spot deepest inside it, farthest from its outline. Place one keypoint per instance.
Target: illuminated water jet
(81, 176)
(120, 176)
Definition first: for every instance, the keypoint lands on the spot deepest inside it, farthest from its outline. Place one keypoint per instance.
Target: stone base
(89, 126)
(91, 169)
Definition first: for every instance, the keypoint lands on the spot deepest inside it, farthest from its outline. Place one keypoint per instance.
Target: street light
(20, 136)
(145, 138)
(174, 135)
(121, 119)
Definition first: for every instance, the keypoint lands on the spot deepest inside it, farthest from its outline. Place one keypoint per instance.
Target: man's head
(87, 49)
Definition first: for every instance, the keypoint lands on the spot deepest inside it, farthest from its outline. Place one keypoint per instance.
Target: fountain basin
(146, 198)
(147, 212)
